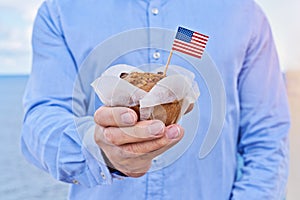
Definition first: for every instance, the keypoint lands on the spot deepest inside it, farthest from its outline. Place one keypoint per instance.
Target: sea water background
(19, 179)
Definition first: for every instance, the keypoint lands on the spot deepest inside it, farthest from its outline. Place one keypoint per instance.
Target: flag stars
(183, 37)
(185, 31)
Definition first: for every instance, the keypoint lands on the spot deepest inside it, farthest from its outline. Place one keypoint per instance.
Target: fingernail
(172, 132)
(127, 118)
(156, 128)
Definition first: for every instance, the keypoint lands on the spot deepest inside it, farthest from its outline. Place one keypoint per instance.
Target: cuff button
(103, 175)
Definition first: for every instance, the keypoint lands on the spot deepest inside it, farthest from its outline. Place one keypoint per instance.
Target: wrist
(111, 168)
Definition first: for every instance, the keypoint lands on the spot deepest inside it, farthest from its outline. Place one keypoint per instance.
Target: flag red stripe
(187, 52)
(192, 45)
(200, 38)
(187, 48)
(199, 34)
(199, 41)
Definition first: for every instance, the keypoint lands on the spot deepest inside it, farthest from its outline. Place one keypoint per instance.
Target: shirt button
(76, 182)
(103, 175)
(156, 55)
(155, 11)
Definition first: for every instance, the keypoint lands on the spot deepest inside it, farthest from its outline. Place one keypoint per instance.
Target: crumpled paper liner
(177, 87)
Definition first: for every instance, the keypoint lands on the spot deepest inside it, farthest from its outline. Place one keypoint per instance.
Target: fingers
(134, 158)
(173, 134)
(168, 146)
(115, 116)
(142, 131)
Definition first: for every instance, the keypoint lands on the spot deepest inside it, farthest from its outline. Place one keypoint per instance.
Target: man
(256, 123)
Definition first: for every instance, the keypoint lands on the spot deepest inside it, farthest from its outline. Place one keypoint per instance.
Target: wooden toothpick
(168, 62)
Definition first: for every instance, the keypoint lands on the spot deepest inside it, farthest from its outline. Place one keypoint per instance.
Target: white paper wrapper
(178, 85)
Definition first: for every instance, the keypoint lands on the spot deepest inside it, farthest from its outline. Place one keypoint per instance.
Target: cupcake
(169, 112)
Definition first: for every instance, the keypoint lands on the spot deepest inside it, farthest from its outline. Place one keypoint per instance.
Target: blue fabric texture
(58, 138)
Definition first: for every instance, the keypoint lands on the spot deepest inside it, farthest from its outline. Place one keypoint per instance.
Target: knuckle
(97, 138)
(133, 148)
(108, 136)
(127, 148)
(137, 148)
(161, 142)
(125, 152)
(141, 131)
(97, 134)
(98, 114)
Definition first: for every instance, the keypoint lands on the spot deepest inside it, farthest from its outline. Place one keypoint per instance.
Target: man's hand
(129, 145)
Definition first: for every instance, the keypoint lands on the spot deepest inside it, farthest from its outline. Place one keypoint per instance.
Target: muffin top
(143, 80)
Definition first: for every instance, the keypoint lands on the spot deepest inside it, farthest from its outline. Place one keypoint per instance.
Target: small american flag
(189, 42)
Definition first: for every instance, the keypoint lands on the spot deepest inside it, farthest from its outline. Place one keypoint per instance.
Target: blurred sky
(16, 18)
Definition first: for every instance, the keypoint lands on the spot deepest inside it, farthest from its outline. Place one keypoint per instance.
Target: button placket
(155, 180)
(154, 11)
(156, 55)
(155, 20)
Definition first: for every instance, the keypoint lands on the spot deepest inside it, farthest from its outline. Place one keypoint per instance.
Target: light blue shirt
(241, 45)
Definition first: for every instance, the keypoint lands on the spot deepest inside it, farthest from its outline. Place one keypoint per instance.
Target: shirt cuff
(94, 158)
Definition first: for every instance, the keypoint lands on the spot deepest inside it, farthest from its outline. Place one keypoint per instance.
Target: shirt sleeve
(54, 137)
(264, 119)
